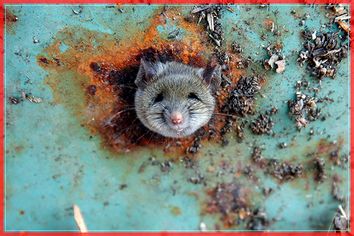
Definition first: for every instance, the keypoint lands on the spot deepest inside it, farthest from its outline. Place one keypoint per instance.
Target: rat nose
(176, 117)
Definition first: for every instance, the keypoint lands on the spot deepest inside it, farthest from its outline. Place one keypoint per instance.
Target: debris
(312, 132)
(173, 34)
(275, 61)
(303, 109)
(336, 191)
(229, 9)
(203, 227)
(210, 19)
(241, 98)
(31, 98)
(77, 11)
(341, 17)
(338, 9)
(216, 41)
(283, 170)
(322, 54)
(280, 66)
(236, 48)
(35, 40)
(14, 100)
(198, 9)
(344, 26)
(262, 125)
(248, 171)
(212, 15)
(258, 220)
(165, 166)
(34, 99)
(269, 64)
(239, 131)
(240, 105)
(336, 159)
(340, 220)
(226, 129)
(225, 82)
(272, 111)
(257, 155)
(319, 164)
(79, 219)
(189, 163)
(267, 191)
(123, 186)
(231, 201)
(196, 145)
(269, 25)
(197, 179)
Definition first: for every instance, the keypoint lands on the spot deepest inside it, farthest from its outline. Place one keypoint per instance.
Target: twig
(79, 219)
(344, 26)
(342, 212)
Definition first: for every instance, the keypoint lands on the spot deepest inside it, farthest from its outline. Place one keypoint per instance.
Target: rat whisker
(108, 122)
(137, 141)
(151, 136)
(126, 86)
(224, 114)
(119, 132)
(127, 105)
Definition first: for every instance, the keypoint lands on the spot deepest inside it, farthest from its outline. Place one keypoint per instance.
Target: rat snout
(176, 117)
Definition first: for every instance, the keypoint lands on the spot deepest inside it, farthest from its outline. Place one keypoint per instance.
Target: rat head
(174, 99)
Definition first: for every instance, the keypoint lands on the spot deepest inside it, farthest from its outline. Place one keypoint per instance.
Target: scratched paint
(57, 155)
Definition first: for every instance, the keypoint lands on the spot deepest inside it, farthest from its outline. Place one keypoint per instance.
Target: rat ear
(211, 74)
(147, 71)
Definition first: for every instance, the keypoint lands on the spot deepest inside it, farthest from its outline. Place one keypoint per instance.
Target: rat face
(175, 100)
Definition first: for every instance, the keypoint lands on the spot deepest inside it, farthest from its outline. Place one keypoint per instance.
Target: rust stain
(175, 211)
(19, 148)
(95, 76)
(231, 201)
(10, 21)
(268, 24)
(324, 146)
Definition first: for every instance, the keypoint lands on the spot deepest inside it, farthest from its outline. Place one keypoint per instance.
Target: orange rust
(73, 71)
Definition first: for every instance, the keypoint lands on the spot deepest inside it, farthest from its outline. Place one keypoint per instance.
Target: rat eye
(193, 96)
(158, 98)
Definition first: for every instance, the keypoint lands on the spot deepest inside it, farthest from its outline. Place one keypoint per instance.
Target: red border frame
(2, 100)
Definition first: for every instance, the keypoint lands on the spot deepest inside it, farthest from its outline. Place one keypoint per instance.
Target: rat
(174, 99)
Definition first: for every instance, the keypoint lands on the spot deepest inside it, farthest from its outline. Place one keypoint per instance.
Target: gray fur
(175, 81)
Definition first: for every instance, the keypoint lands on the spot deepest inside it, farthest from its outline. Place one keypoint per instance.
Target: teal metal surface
(54, 161)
